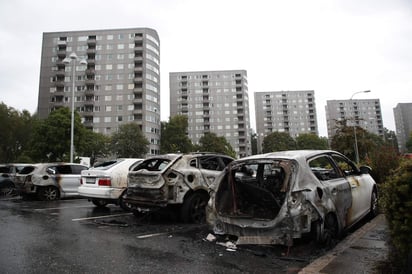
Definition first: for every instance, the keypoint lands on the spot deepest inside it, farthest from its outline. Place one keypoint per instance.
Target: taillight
(104, 182)
(81, 181)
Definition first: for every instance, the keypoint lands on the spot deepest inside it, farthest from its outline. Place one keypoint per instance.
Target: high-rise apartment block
(214, 101)
(364, 113)
(119, 84)
(293, 112)
(403, 123)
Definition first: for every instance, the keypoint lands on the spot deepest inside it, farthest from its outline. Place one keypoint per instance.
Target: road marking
(152, 235)
(64, 207)
(101, 217)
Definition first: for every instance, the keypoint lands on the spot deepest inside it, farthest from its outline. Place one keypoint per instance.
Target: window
(324, 169)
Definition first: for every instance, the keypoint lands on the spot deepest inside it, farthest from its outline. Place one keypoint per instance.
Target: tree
(94, 145)
(174, 136)
(210, 142)
(278, 141)
(15, 133)
(311, 141)
(129, 142)
(50, 140)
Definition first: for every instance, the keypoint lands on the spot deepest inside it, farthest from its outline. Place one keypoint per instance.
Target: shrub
(396, 198)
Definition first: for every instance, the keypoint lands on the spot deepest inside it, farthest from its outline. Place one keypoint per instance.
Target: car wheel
(125, 206)
(8, 189)
(99, 202)
(48, 193)
(330, 231)
(194, 208)
(374, 209)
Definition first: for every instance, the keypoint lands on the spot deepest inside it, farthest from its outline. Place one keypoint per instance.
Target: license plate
(90, 180)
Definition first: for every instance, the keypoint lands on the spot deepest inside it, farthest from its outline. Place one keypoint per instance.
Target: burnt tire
(48, 193)
(125, 206)
(374, 208)
(99, 202)
(330, 231)
(194, 208)
(7, 189)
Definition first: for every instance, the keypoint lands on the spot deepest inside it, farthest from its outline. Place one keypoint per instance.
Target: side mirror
(365, 169)
(51, 171)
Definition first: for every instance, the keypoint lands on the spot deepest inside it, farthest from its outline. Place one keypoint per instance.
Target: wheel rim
(50, 194)
(7, 190)
(374, 203)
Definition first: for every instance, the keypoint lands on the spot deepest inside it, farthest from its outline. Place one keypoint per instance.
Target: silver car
(50, 181)
(277, 197)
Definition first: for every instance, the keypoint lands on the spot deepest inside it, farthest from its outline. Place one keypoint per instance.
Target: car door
(335, 183)
(210, 167)
(359, 188)
(68, 178)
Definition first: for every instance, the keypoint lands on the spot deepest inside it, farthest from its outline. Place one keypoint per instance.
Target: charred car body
(50, 181)
(175, 179)
(277, 197)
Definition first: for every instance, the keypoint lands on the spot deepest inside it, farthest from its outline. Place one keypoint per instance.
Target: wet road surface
(73, 236)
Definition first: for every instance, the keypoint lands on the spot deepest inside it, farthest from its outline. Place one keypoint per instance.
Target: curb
(320, 263)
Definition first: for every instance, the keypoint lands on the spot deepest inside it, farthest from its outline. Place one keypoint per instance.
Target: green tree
(15, 133)
(174, 136)
(278, 141)
(129, 142)
(311, 141)
(94, 145)
(210, 142)
(50, 140)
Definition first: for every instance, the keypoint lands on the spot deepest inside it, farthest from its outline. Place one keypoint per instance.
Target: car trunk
(255, 189)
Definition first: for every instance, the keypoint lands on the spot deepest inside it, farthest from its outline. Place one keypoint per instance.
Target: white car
(106, 183)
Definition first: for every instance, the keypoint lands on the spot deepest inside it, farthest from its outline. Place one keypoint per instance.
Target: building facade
(214, 101)
(365, 113)
(119, 84)
(403, 123)
(293, 112)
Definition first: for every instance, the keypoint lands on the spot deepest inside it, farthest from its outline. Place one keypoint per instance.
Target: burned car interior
(255, 189)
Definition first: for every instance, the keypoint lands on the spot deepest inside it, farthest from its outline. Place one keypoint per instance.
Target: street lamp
(354, 127)
(73, 57)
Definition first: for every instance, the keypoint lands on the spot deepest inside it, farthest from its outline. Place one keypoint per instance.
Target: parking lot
(74, 236)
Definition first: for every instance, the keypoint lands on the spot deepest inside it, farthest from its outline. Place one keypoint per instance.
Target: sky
(334, 47)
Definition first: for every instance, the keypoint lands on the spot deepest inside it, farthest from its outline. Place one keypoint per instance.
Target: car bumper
(101, 192)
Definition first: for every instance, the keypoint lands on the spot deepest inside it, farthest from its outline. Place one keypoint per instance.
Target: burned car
(50, 181)
(277, 197)
(180, 180)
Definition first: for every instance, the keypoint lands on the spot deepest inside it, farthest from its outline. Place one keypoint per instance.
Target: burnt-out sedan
(277, 197)
(176, 180)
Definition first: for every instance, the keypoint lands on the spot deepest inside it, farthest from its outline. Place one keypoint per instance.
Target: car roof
(291, 154)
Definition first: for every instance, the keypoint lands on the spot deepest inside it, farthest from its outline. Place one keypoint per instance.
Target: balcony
(61, 72)
(138, 80)
(138, 100)
(89, 82)
(89, 92)
(138, 49)
(91, 51)
(138, 69)
(90, 71)
(91, 42)
(138, 38)
(61, 43)
(61, 53)
(59, 83)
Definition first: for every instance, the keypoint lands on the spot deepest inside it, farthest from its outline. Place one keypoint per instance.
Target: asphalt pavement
(364, 251)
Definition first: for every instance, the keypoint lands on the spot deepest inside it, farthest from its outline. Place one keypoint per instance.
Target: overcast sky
(334, 47)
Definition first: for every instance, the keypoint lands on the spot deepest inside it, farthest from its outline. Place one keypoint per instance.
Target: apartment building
(403, 123)
(364, 113)
(214, 101)
(116, 78)
(291, 111)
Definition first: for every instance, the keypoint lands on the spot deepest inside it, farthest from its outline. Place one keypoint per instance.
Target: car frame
(278, 197)
(50, 181)
(7, 178)
(106, 182)
(175, 180)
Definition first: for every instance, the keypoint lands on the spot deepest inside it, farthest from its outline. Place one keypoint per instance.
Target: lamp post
(354, 128)
(72, 59)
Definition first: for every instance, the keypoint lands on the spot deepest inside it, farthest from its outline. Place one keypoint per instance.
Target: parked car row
(271, 198)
